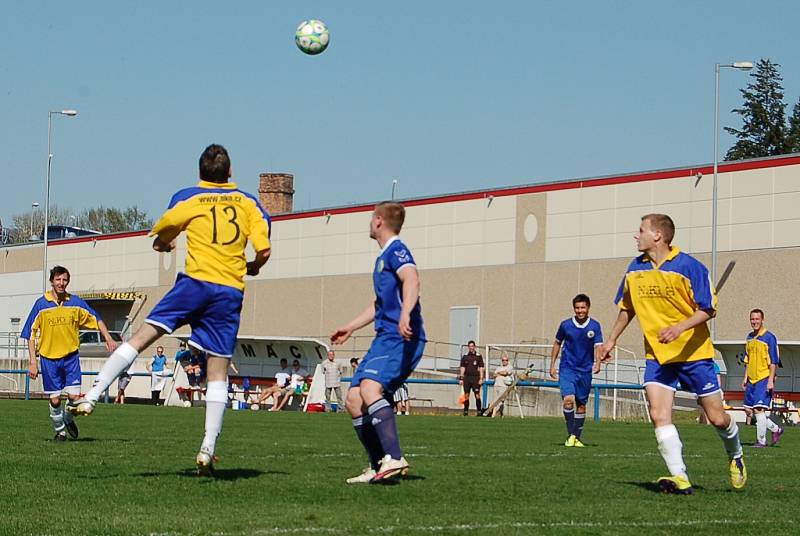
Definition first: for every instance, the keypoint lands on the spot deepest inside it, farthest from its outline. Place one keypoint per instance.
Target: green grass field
(132, 472)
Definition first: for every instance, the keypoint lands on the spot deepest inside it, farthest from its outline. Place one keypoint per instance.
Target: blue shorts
(575, 383)
(61, 375)
(213, 311)
(756, 395)
(389, 361)
(697, 377)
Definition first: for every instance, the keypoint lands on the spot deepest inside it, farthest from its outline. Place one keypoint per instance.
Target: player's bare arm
(771, 381)
(481, 372)
(596, 366)
(623, 319)
(409, 277)
(261, 258)
(553, 357)
(111, 344)
(340, 335)
(33, 363)
(670, 333)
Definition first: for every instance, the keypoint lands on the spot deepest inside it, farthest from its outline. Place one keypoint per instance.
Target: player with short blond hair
(673, 296)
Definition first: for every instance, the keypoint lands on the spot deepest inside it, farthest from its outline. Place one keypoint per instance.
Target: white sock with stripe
(57, 416)
(730, 438)
(671, 448)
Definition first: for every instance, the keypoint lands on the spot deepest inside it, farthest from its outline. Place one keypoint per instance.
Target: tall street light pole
(742, 66)
(50, 114)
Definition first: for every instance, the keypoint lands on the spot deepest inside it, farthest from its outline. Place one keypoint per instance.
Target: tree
(793, 132)
(102, 219)
(763, 115)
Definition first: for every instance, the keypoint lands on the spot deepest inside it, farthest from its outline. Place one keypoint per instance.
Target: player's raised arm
(261, 258)
(340, 335)
(409, 277)
(670, 333)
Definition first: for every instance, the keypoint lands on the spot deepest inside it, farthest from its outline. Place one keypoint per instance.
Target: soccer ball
(255, 407)
(312, 37)
(187, 404)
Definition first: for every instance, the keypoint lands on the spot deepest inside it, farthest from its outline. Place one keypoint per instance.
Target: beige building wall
(519, 255)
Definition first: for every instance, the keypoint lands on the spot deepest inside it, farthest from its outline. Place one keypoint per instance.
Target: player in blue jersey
(673, 296)
(219, 220)
(395, 352)
(762, 358)
(56, 319)
(578, 340)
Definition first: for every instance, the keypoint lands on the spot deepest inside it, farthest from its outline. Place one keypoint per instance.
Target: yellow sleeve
(86, 319)
(625, 303)
(259, 229)
(172, 222)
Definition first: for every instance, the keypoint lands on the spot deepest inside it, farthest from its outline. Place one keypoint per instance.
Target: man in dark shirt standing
(471, 377)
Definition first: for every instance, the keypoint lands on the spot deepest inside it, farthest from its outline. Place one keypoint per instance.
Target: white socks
(730, 438)
(762, 425)
(120, 360)
(671, 448)
(57, 416)
(216, 400)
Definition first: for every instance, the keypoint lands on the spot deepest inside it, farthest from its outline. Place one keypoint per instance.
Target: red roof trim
(555, 186)
(95, 238)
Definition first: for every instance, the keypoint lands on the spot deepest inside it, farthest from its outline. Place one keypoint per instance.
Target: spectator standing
(333, 382)
(158, 375)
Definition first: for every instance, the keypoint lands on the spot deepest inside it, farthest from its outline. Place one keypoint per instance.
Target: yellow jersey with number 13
(219, 219)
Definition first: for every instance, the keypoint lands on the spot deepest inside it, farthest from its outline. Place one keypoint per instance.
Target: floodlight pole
(68, 113)
(742, 66)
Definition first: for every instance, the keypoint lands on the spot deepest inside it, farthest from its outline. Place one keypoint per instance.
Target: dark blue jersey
(394, 257)
(578, 342)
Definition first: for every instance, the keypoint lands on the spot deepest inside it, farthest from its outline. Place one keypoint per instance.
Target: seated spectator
(281, 382)
(296, 382)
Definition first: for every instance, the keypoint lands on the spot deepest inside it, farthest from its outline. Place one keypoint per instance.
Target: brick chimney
(275, 191)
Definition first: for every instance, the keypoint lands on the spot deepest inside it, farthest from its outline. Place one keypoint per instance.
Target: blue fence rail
(596, 388)
(27, 390)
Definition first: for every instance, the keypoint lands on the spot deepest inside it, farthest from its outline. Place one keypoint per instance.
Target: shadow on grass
(219, 474)
(396, 481)
(652, 486)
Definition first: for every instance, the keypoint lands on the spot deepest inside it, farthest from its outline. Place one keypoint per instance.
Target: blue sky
(443, 96)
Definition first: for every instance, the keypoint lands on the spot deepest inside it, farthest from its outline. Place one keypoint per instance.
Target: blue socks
(577, 429)
(383, 421)
(366, 434)
(569, 416)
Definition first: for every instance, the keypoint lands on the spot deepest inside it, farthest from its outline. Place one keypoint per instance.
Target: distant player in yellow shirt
(673, 297)
(219, 220)
(762, 360)
(57, 318)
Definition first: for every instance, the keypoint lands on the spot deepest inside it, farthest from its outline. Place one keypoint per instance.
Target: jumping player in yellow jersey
(57, 318)
(673, 297)
(218, 219)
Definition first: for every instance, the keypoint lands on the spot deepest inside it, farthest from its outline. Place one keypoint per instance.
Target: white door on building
(465, 324)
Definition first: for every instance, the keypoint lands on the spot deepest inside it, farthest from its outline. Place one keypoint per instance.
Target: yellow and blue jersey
(761, 352)
(663, 295)
(218, 219)
(57, 325)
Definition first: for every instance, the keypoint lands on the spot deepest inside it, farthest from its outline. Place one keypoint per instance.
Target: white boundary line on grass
(519, 525)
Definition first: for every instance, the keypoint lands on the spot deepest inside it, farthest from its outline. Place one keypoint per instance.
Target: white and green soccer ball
(312, 37)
